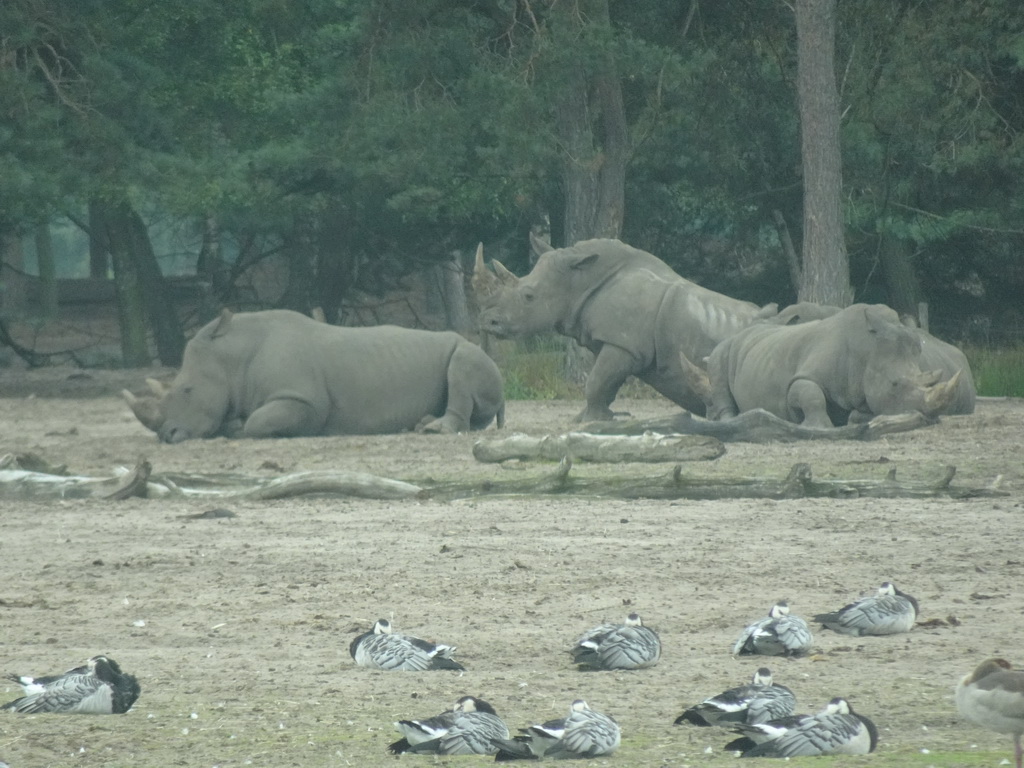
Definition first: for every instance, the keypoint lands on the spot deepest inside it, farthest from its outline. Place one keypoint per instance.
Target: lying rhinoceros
(280, 374)
(625, 305)
(936, 354)
(856, 364)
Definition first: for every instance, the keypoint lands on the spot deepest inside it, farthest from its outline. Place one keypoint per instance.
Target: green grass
(998, 372)
(534, 369)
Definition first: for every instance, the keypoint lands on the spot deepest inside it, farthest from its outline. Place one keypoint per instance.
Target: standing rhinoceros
(625, 305)
(858, 363)
(280, 374)
(936, 354)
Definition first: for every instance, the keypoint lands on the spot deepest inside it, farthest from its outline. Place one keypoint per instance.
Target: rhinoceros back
(372, 380)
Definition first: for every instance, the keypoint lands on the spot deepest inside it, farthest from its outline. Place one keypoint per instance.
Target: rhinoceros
(625, 305)
(855, 364)
(281, 374)
(936, 354)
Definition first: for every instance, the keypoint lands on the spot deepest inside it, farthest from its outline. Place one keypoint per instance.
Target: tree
(825, 276)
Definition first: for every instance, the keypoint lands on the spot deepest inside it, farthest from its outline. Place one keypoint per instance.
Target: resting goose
(475, 729)
(629, 645)
(383, 648)
(992, 696)
(97, 688)
(836, 730)
(759, 701)
(584, 734)
(888, 612)
(415, 732)
(778, 634)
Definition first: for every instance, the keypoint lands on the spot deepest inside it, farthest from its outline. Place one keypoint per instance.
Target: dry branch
(759, 426)
(648, 447)
(799, 483)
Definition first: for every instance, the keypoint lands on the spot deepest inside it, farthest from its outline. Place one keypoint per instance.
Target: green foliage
(998, 371)
(387, 134)
(536, 370)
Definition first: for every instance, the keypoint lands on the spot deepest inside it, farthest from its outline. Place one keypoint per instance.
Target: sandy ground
(243, 654)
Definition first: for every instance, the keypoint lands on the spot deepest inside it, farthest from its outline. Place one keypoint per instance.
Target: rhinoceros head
(196, 403)
(541, 301)
(893, 380)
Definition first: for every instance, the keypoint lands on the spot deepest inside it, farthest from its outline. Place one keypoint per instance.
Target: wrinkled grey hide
(857, 363)
(280, 374)
(625, 305)
(936, 354)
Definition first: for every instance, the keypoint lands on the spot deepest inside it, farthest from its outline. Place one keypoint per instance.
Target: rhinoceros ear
(223, 323)
(539, 245)
(583, 260)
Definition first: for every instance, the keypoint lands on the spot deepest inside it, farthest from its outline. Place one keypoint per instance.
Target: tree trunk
(903, 287)
(591, 123)
(131, 311)
(99, 248)
(300, 252)
(825, 277)
(12, 278)
(48, 301)
(142, 281)
(211, 269)
(449, 282)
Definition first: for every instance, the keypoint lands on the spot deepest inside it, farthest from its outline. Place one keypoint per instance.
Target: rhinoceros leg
(611, 369)
(806, 398)
(283, 418)
(475, 393)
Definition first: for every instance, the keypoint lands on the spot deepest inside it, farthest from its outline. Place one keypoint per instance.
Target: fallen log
(760, 426)
(17, 483)
(798, 483)
(581, 446)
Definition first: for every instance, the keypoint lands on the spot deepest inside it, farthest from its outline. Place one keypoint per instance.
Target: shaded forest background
(316, 153)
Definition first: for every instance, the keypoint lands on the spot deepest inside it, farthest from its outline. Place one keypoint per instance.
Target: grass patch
(998, 371)
(535, 369)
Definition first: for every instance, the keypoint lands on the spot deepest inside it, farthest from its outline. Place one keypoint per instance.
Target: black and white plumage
(473, 728)
(888, 612)
(383, 648)
(97, 688)
(778, 634)
(419, 731)
(758, 733)
(992, 696)
(584, 734)
(629, 645)
(836, 730)
(759, 701)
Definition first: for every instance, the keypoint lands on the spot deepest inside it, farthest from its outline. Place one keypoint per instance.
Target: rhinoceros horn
(487, 283)
(146, 409)
(696, 378)
(940, 396)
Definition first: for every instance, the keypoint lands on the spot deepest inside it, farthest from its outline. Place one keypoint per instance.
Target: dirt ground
(238, 629)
